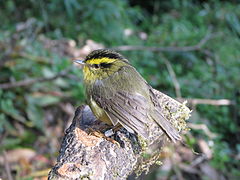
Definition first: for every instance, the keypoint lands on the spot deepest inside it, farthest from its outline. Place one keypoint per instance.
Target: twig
(176, 169)
(188, 168)
(196, 47)
(174, 77)
(202, 127)
(198, 160)
(28, 82)
(219, 102)
(3, 134)
(7, 167)
(39, 59)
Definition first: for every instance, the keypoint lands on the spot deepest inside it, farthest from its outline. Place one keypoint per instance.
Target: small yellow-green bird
(118, 94)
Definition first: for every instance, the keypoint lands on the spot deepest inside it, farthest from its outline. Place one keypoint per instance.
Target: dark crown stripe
(104, 53)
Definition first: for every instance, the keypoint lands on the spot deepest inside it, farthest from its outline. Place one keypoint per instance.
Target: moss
(146, 164)
(143, 143)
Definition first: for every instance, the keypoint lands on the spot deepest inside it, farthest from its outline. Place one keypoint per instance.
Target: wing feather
(131, 102)
(127, 109)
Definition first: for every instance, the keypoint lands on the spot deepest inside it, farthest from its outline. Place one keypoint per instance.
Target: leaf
(5, 125)
(62, 83)
(8, 143)
(47, 100)
(47, 72)
(43, 100)
(34, 110)
(6, 105)
(35, 114)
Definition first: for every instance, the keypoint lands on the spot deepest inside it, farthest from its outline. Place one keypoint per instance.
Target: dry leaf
(14, 156)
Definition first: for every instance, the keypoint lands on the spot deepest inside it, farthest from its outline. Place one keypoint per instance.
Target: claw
(104, 136)
(109, 133)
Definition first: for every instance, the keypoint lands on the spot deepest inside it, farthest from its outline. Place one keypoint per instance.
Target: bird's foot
(104, 136)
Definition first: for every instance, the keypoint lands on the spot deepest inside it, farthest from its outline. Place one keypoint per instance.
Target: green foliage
(101, 20)
(212, 74)
(26, 105)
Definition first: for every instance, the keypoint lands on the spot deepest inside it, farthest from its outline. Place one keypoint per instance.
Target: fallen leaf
(14, 156)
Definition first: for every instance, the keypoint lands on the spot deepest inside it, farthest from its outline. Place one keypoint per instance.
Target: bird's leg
(112, 131)
(99, 134)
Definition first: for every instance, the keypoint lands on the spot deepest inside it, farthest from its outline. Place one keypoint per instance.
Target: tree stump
(86, 156)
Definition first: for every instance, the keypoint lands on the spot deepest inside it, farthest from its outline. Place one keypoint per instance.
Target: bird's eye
(105, 65)
(96, 66)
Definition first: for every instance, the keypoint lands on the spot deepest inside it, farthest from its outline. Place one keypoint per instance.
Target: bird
(119, 96)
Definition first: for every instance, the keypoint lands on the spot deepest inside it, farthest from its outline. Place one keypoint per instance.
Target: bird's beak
(79, 62)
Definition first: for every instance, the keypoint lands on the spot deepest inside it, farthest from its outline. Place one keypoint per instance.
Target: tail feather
(166, 126)
(157, 116)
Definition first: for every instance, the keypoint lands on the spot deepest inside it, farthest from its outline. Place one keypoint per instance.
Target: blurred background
(186, 49)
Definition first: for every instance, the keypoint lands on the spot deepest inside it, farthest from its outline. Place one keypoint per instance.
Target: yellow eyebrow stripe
(100, 60)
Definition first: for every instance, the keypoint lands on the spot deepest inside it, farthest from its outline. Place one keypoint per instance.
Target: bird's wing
(127, 109)
(125, 103)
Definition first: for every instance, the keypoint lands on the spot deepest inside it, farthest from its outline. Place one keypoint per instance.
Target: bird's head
(100, 64)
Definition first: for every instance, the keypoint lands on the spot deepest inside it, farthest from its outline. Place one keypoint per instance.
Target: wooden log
(86, 156)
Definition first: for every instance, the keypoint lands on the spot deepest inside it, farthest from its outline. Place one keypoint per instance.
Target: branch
(214, 102)
(83, 155)
(173, 76)
(204, 128)
(28, 82)
(196, 47)
(7, 166)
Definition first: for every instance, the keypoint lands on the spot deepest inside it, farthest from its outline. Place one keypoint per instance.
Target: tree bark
(86, 156)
